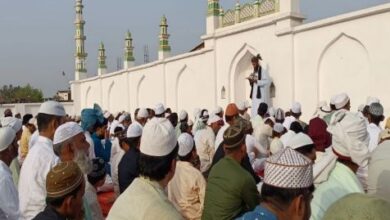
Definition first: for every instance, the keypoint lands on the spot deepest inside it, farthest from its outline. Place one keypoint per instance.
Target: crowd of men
(222, 164)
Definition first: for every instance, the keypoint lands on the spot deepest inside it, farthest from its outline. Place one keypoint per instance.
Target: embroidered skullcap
(376, 109)
(98, 168)
(234, 135)
(288, 169)
(63, 179)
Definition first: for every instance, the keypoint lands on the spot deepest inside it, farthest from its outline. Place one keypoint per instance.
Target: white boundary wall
(307, 62)
(33, 108)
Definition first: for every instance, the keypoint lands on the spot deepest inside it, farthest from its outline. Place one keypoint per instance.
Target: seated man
(231, 190)
(287, 189)
(187, 188)
(65, 186)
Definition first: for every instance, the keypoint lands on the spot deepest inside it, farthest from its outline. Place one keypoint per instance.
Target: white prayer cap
(14, 123)
(134, 130)
(288, 121)
(349, 136)
(270, 118)
(213, 119)
(33, 121)
(276, 147)
(7, 136)
(106, 114)
(52, 108)
(66, 131)
(279, 128)
(158, 138)
(299, 140)
(183, 115)
(333, 100)
(142, 113)
(376, 109)
(159, 109)
(243, 105)
(371, 100)
(218, 110)
(288, 169)
(361, 107)
(186, 144)
(296, 107)
(341, 100)
(190, 122)
(121, 118)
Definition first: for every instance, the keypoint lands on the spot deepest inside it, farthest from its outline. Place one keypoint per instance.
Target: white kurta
(204, 142)
(92, 201)
(373, 131)
(9, 202)
(116, 156)
(219, 138)
(33, 139)
(32, 181)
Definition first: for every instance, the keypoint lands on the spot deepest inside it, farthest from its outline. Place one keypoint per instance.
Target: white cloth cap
(276, 146)
(270, 118)
(121, 118)
(299, 140)
(106, 114)
(349, 136)
(7, 136)
(371, 100)
(183, 115)
(186, 144)
(296, 107)
(12, 122)
(243, 105)
(278, 128)
(213, 119)
(52, 108)
(33, 121)
(190, 122)
(333, 100)
(288, 169)
(218, 110)
(66, 131)
(158, 138)
(134, 130)
(142, 113)
(341, 100)
(288, 121)
(159, 109)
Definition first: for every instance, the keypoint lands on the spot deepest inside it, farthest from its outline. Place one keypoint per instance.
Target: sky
(37, 37)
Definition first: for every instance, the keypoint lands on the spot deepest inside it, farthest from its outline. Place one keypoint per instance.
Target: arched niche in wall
(187, 90)
(344, 66)
(111, 97)
(240, 68)
(223, 93)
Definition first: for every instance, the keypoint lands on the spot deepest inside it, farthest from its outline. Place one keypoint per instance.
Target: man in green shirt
(231, 190)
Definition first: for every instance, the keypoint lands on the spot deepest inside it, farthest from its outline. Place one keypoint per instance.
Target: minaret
(212, 21)
(80, 56)
(129, 57)
(164, 50)
(102, 69)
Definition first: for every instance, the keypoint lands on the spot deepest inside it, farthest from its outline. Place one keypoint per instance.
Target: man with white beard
(70, 144)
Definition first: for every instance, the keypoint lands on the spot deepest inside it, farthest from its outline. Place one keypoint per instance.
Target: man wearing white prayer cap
(146, 195)
(288, 184)
(126, 167)
(69, 144)
(159, 110)
(375, 117)
(142, 116)
(187, 188)
(218, 111)
(9, 201)
(296, 113)
(342, 101)
(337, 177)
(303, 144)
(276, 144)
(183, 119)
(40, 159)
(205, 140)
(243, 107)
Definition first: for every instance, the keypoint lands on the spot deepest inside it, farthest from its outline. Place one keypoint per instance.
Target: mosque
(306, 62)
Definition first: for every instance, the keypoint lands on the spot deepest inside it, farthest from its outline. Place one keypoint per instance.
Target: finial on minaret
(129, 56)
(102, 69)
(213, 11)
(80, 55)
(164, 48)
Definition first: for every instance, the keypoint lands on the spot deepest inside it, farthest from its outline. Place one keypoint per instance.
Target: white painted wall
(308, 63)
(33, 108)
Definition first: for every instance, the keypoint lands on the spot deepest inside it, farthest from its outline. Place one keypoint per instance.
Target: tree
(11, 94)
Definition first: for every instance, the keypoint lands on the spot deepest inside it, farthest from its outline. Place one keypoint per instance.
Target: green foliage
(18, 94)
